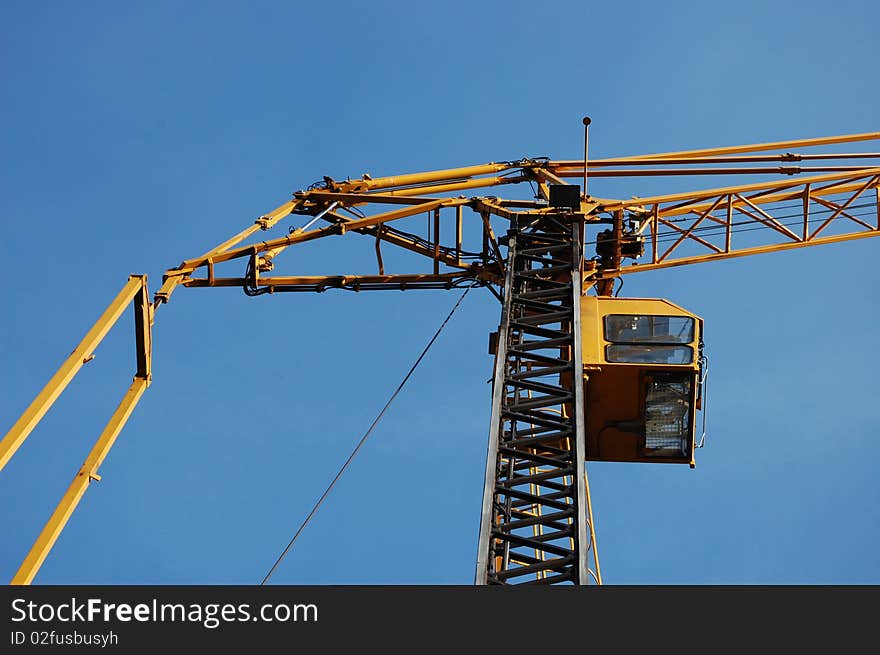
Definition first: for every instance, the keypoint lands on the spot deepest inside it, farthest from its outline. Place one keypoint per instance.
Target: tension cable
(364, 438)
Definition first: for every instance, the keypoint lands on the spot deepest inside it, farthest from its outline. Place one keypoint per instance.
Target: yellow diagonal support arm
(74, 493)
(135, 292)
(71, 366)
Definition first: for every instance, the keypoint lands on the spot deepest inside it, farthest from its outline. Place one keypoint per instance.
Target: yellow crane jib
(578, 377)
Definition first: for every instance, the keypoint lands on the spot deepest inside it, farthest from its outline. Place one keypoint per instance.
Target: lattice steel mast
(534, 523)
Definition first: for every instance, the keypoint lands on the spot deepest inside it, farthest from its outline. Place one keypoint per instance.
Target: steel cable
(364, 438)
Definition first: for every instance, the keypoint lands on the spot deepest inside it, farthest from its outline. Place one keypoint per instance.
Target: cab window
(649, 339)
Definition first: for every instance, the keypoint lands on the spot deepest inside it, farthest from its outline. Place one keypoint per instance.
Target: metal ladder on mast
(534, 526)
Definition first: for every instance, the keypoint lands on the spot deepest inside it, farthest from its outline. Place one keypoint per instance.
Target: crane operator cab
(642, 379)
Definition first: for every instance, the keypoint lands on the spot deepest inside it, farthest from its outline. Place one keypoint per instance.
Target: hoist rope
(364, 438)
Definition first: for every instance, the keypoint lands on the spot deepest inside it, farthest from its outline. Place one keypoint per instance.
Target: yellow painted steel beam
(412, 194)
(312, 280)
(757, 147)
(877, 203)
(300, 237)
(750, 207)
(74, 362)
(413, 246)
(393, 238)
(477, 183)
(548, 177)
(363, 190)
(791, 192)
(839, 210)
(743, 252)
(355, 199)
(466, 172)
(265, 222)
(412, 179)
(673, 172)
(483, 205)
(175, 276)
(686, 233)
(88, 472)
(578, 164)
(703, 194)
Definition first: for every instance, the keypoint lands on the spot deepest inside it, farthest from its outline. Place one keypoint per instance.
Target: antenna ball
(587, 120)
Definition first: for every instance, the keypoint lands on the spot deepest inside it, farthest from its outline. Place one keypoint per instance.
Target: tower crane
(581, 374)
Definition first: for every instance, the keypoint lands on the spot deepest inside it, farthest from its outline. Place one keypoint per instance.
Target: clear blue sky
(134, 135)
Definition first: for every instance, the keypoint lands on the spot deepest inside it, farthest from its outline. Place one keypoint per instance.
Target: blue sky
(135, 135)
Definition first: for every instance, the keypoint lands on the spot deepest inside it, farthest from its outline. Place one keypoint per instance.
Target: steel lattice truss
(535, 502)
(822, 198)
(675, 229)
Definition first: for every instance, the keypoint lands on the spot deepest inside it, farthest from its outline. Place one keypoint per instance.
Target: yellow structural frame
(134, 292)
(340, 204)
